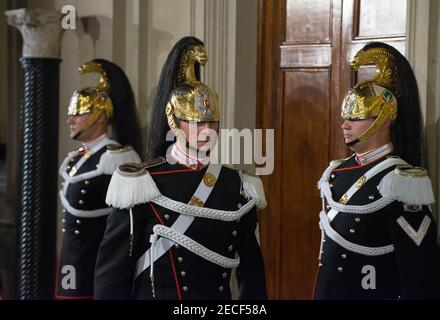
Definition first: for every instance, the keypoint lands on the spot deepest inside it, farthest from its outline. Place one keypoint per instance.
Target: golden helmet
(375, 98)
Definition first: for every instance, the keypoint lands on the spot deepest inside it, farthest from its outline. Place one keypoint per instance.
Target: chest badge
(209, 179)
(344, 199)
(361, 181)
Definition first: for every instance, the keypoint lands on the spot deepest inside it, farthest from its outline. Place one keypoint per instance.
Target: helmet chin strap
(88, 124)
(76, 136)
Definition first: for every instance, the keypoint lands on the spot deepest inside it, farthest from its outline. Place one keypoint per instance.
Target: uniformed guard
(87, 171)
(378, 232)
(181, 224)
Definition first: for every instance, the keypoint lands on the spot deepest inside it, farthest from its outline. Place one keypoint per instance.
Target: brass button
(87, 182)
(340, 269)
(78, 222)
(63, 220)
(180, 259)
(332, 176)
(185, 288)
(63, 230)
(371, 197)
(224, 275)
(352, 231)
(64, 210)
(343, 256)
(77, 232)
(166, 216)
(357, 219)
(176, 245)
(230, 248)
(183, 273)
(220, 288)
(81, 202)
(83, 191)
(234, 233)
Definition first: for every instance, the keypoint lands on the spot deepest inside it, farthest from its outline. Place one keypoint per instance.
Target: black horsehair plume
(125, 123)
(157, 144)
(407, 132)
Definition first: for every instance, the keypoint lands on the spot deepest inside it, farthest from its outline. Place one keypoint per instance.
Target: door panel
(381, 18)
(308, 21)
(305, 131)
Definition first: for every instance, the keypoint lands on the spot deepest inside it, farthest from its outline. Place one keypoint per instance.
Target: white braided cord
(362, 209)
(379, 204)
(203, 212)
(195, 247)
(350, 246)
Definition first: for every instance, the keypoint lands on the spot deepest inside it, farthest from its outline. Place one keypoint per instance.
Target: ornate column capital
(41, 31)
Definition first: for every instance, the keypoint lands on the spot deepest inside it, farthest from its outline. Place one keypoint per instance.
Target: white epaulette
(407, 184)
(253, 189)
(132, 184)
(116, 156)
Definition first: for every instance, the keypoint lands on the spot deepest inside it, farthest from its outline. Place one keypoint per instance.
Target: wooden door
(303, 74)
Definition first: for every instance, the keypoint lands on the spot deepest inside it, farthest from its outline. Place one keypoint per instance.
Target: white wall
(424, 56)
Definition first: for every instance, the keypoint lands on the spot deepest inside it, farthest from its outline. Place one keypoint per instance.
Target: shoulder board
(253, 189)
(408, 184)
(131, 185)
(154, 163)
(116, 147)
(116, 156)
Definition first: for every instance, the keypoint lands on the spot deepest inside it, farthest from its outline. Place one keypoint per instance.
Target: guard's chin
(353, 144)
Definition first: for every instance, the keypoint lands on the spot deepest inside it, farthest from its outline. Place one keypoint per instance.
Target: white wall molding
(219, 36)
(423, 51)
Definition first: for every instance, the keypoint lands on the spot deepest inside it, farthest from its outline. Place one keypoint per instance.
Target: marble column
(42, 32)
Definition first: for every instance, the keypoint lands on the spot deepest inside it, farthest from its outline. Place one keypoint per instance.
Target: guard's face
(353, 129)
(76, 123)
(200, 135)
